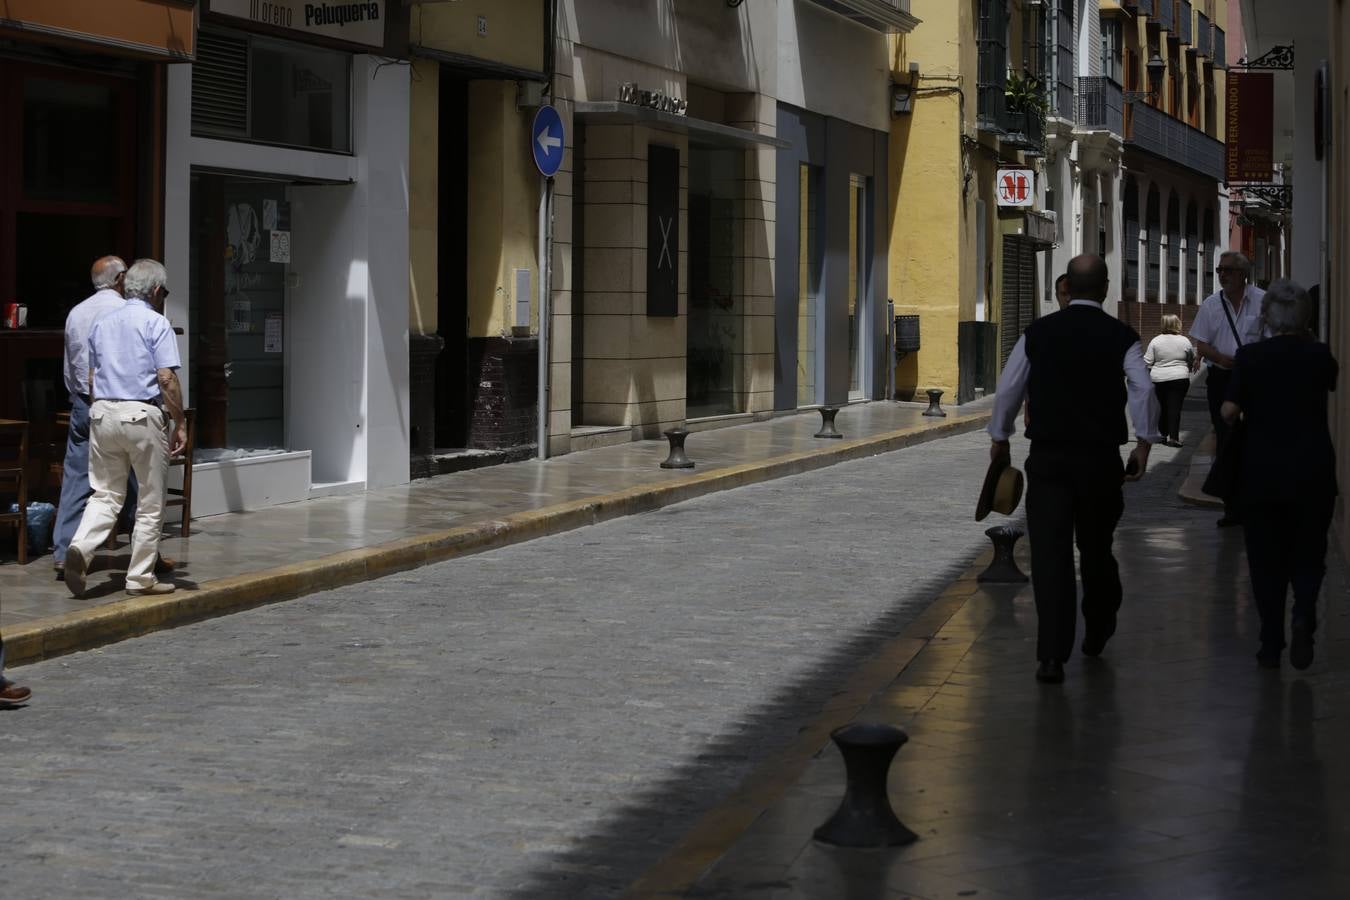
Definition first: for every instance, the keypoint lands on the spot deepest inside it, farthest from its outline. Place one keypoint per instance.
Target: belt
(155, 402)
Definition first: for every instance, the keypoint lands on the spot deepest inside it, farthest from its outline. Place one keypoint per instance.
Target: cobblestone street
(460, 727)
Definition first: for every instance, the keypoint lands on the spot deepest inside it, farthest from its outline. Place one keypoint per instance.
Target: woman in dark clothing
(1279, 389)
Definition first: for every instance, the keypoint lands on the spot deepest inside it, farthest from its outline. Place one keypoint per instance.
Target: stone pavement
(239, 560)
(541, 720)
(1171, 767)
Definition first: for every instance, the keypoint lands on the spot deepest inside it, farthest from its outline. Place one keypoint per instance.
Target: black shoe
(60, 571)
(1301, 645)
(1093, 645)
(1268, 659)
(1050, 672)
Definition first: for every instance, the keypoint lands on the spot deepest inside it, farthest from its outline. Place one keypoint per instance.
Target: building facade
(69, 72)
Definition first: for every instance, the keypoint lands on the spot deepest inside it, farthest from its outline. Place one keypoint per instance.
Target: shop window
(237, 315)
(270, 91)
(809, 259)
(61, 160)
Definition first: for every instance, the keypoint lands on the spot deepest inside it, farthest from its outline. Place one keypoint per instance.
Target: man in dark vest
(1076, 370)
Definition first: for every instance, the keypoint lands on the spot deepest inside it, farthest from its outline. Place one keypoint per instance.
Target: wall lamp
(1157, 67)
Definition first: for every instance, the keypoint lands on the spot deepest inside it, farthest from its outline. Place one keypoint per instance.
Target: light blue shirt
(78, 325)
(127, 347)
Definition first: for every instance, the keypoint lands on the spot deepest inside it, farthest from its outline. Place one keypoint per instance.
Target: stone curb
(122, 619)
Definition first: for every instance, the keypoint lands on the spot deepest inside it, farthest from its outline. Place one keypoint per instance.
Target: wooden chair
(13, 481)
(183, 496)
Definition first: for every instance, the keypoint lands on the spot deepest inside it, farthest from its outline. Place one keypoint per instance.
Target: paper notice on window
(270, 214)
(281, 247)
(272, 333)
(241, 317)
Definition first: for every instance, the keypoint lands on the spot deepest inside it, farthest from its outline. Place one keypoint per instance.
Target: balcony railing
(1183, 16)
(1023, 130)
(1153, 130)
(1204, 35)
(1220, 49)
(1101, 105)
(1166, 14)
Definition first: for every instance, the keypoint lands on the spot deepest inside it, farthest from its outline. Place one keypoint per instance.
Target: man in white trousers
(135, 424)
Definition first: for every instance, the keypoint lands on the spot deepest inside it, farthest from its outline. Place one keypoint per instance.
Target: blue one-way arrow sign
(546, 141)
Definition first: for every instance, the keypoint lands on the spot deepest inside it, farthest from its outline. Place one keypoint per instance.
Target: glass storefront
(716, 301)
(239, 250)
(808, 282)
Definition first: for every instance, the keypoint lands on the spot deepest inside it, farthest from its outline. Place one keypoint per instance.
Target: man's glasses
(1222, 269)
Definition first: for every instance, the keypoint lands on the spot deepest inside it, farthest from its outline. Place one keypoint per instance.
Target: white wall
(730, 49)
(346, 328)
(831, 66)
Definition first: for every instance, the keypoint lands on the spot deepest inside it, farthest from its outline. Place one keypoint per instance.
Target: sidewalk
(240, 560)
(1171, 767)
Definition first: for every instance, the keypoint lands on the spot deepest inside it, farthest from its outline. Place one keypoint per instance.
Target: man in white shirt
(1078, 370)
(107, 274)
(1229, 318)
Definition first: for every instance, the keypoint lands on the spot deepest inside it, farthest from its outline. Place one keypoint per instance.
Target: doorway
(712, 366)
(453, 408)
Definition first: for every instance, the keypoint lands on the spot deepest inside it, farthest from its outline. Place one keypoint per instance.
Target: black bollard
(934, 407)
(865, 817)
(827, 429)
(677, 459)
(1003, 570)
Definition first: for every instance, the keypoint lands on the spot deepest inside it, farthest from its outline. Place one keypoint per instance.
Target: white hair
(143, 277)
(1285, 307)
(1241, 258)
(107, 271)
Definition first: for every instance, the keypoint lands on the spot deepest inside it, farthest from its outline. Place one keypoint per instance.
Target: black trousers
(1073, 495)
(1170, 396)
(1216, 388)
(1286, 546)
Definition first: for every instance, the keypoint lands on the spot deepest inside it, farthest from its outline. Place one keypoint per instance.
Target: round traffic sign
(546, 141)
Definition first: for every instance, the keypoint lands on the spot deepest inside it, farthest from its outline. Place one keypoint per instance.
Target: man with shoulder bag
(1228, 319)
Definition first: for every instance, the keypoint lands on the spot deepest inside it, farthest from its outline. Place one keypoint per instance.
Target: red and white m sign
(1016, 187)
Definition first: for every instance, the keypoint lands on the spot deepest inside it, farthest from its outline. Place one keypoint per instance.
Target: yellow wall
(932, 254)
(503, 208)
(515, 30)
(422, 192)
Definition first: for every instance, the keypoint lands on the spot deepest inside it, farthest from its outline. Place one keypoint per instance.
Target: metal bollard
(1003, 570)
(934, 407)
(677, 459)
(865, 817)
(827, 429)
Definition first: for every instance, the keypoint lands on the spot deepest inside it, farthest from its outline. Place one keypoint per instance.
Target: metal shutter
(220, 84)
(1018, 300)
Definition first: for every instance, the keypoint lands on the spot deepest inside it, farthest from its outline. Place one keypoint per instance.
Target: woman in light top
(1170, 359)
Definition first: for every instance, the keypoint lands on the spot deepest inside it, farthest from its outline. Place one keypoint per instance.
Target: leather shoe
(1093, 644)
(1050, 672)
(12, 695)
(1300, 645)
(165, 564)
(159, 587)
(76, 568)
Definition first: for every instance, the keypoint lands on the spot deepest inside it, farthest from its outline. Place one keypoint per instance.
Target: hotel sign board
(350, 22)
(1015, 187)
(1250, 117)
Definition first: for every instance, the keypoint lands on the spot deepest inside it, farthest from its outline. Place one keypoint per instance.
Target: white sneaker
(76, 568)
(159, 587)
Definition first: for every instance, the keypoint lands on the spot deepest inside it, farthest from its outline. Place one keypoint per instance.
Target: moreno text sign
(353, 22)
(1250, 125)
